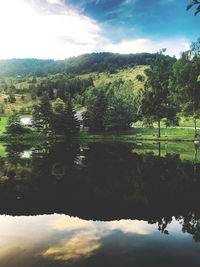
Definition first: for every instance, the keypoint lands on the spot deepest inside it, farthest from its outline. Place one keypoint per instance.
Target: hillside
(95, 62)
(23, 88)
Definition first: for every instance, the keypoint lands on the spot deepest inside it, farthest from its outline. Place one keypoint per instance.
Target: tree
(155, 101)
(96, 107)
(186, 71)
(59, 105)
(195, 3)
(65, 122)
(15, 126)
(117, 115)
(11, 98)
(42, 114)
(140, 78)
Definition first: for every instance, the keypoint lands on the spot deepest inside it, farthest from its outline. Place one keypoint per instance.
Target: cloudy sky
(58, 29)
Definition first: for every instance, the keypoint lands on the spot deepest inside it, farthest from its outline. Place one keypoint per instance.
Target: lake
(99, 204)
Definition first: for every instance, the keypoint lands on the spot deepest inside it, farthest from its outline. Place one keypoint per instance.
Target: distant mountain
(95, 62)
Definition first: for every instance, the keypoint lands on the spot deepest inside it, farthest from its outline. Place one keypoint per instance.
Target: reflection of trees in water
(105, 181)
(190, 224)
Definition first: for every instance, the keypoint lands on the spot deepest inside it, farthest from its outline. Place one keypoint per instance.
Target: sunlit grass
(3, 124)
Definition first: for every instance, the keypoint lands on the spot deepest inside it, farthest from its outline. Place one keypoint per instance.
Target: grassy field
(3, 124)
(186, 150)
(173, 134)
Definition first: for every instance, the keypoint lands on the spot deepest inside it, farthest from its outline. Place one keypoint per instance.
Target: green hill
(95, 62)
(26, 90)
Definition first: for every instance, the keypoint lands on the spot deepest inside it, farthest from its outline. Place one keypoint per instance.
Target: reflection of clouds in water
(71, 223)
(74, 223)
(34, 240)
(137, 227)
(82, 244)
(87, 236)
(84, 241)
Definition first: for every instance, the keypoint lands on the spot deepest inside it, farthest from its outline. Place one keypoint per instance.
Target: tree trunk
(159, 128)
(159, 149)
(166, 131)
(195, 127)
(195, 158)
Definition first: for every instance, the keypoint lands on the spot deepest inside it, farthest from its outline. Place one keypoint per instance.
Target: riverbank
(142, 134)
(133, 134)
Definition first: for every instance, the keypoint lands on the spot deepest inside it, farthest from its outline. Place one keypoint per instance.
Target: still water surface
(99, 204)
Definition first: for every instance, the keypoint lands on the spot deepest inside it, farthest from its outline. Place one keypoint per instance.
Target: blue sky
(141, 18)
(62, 28)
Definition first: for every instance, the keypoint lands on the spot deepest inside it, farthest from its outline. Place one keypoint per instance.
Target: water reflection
(105, 182)
(60, 240)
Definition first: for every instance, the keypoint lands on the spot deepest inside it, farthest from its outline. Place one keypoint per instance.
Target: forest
(111, 91)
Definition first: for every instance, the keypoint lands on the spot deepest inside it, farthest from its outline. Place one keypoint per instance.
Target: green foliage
(2, 108)
(117, 115)
(195, 3)
(87, 63)
(58, 105)
(187, 88)
(140, 78)
(156, 102)
(64, 121)
(23, 110)
(96, 109)
(42, 114)
(15, 126)
(23, 97)
(11, 98)
(110, 106)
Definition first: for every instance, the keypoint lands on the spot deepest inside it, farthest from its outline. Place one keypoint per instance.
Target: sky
(58, 29)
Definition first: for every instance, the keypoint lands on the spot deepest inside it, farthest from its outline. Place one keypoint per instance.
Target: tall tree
(64, 120)
(15, 126)
(42, 114)
(186, 71)
(155, 101)
(117, 115)
(96, 108)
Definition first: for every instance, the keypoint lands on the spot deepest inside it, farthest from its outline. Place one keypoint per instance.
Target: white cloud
(26, 32)
(130, 226)
(174, 46)
(50, 29)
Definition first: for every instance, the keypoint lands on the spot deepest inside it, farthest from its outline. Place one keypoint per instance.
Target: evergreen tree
(65, 122)
(15, 126)
(117, 115)
(71, 125)
(96, 109)
(42, 115)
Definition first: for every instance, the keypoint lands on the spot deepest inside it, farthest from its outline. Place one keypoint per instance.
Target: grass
(173, 134)
(186, 150)
(3, 152)
(3, 124)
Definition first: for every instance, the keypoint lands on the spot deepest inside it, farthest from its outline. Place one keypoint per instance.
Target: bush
(12, 98)
(17, 129)
(22, 110)
(140, 78)
(15, 126)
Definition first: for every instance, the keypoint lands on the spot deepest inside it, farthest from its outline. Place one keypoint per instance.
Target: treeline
(95, 62)
(51, 120)
(60, 86)
(171, 89)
